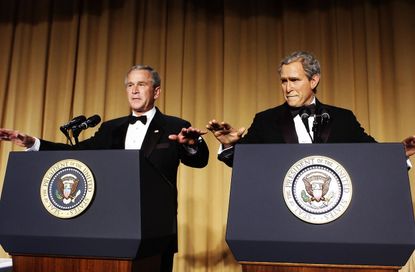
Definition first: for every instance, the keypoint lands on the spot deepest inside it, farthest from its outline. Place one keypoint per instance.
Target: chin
(136, 107)
(294, 105)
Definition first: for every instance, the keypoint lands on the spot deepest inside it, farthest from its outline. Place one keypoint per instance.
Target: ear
(157, 92)
(315, 79)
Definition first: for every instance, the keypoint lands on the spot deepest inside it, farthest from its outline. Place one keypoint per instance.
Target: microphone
(74, 122)
(305, 114)
(321, 119)
(72, 125)
(325, 116)
(90, 122)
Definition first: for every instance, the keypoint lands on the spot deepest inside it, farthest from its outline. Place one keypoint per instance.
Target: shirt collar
(150, 114)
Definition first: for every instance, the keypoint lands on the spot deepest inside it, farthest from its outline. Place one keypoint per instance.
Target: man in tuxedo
(301, 119)
(164, 140)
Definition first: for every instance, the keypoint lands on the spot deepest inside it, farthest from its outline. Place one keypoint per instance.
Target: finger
(226, 126)
(197, 133)
(195, 130)
(184, 131)
(5, 138)
(5, 135)
(21, 137)
(192, 134)
(241, 131)
(214, 126)
(173, 137)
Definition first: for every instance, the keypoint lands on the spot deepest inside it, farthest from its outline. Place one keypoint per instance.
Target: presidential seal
(317, 189)
(67, 188)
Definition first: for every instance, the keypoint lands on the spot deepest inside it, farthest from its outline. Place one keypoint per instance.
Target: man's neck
(152, 111)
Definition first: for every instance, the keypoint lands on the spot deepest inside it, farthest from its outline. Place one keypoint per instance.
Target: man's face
(140, 91)
(296, 87)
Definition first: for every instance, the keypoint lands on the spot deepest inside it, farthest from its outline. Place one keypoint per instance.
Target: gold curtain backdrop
(217, 59)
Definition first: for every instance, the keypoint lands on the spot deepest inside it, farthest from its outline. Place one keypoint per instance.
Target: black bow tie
(309, 108)
(132, 119)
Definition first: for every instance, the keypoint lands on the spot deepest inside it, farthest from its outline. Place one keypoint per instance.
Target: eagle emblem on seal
(316, 184)
(67, 190)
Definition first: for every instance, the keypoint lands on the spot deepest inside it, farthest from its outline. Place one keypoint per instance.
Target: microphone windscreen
(324, 114)
(93, 120)
(74, 122)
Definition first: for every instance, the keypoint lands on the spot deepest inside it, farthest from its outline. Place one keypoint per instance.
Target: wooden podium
(376, 232)
(36, 263)
(280, 267)
(129, 222)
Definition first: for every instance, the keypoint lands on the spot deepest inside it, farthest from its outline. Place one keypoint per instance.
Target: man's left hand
(409, 144)
(188, 136)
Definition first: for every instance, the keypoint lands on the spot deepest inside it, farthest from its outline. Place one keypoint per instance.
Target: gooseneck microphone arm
(305, 113)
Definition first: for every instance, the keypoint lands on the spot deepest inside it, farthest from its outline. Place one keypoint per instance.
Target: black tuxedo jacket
(276, 125)
(159, 154)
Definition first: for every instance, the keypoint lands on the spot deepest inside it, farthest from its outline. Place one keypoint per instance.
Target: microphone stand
(75, 133)
(305, 113)
(316, 130)
(65, 132)
(318, 124)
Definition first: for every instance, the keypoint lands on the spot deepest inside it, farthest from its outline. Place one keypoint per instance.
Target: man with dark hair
(164, 140)
(301, 119)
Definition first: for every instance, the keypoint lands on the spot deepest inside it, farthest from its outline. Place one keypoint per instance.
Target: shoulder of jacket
(115, 121)
(170, 119)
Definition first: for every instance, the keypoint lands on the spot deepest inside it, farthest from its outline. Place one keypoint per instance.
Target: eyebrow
(290, 78)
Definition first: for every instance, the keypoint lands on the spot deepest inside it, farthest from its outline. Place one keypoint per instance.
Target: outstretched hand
(16, 137)
(187, 136)
(225, 133)
(409, 144)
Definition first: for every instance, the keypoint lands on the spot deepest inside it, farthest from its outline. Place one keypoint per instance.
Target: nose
(134, 89)
(288, 86)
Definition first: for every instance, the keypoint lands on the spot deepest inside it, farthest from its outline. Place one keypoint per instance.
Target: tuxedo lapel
(325, 131)
(119, 134)
(287, 125)
(154, 132)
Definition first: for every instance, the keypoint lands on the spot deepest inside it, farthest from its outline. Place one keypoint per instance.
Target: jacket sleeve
(197, 159)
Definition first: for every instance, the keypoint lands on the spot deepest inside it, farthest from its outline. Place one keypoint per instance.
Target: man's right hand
(16, 137)
(225, 133)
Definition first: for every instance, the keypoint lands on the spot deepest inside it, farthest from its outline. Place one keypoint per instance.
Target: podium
(130, 220)
(375, 232)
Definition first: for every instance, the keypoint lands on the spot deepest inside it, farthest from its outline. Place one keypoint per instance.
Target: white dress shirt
(136, 132)
(303, 136)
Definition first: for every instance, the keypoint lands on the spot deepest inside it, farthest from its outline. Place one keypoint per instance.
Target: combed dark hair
(310, 64)
(155, 77)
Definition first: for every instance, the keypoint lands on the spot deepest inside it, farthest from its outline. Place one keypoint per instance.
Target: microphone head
(304, 113)
(93, 120)
(74, 122)
(324, 114)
